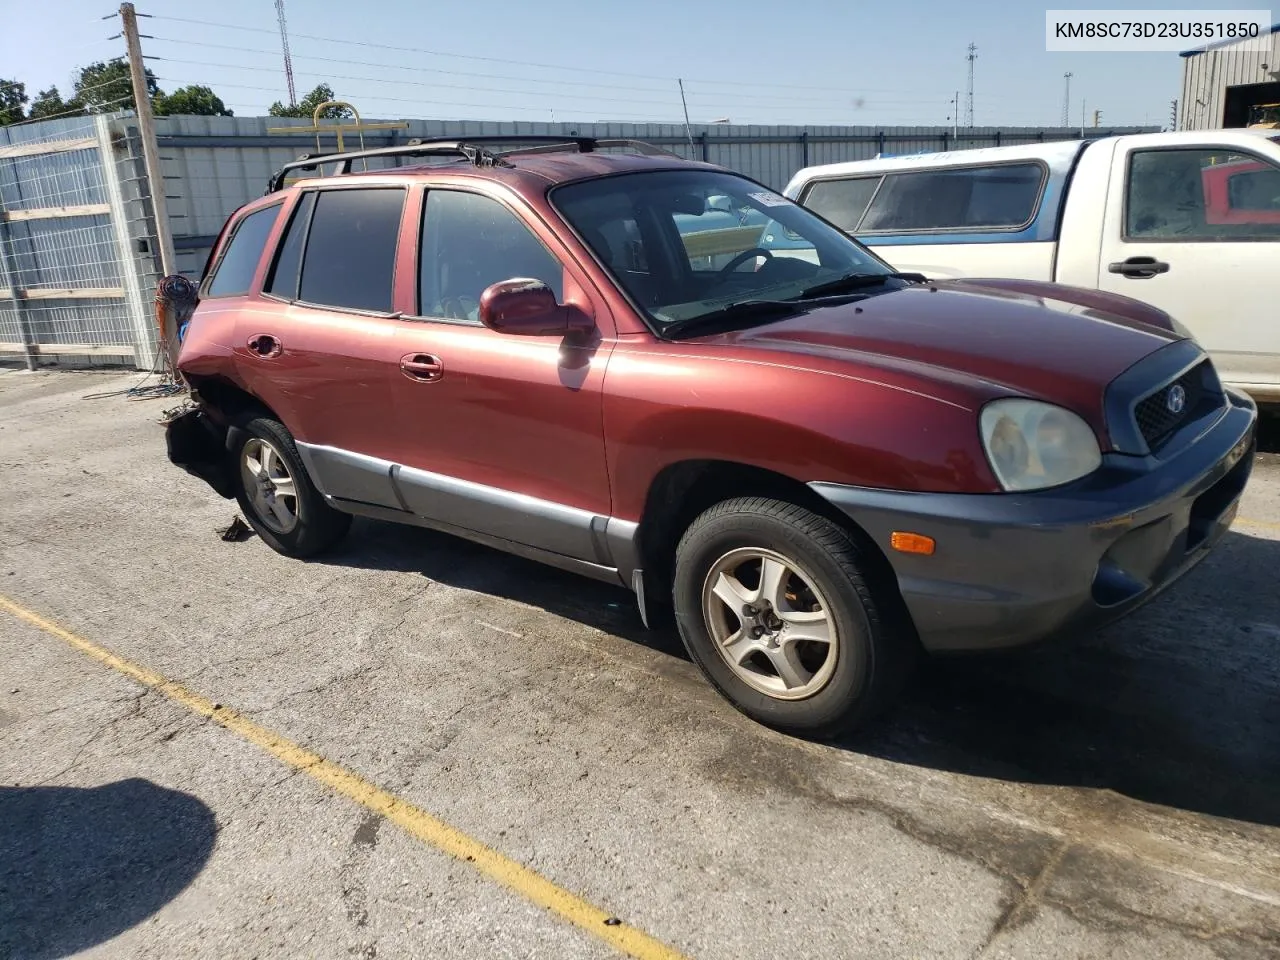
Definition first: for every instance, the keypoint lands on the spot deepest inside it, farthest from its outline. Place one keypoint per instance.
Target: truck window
(843, 202)
(350, 258)
(995, 197)
(1254, 190)
(1201, 194)
(234, 272)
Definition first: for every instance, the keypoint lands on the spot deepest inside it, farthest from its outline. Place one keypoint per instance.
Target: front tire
(277, 496)
(776, 605)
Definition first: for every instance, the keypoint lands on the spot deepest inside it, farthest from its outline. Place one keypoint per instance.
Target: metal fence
(80, 259)
(71, 273)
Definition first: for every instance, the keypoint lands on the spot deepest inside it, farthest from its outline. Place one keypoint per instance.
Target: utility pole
(1173, 114)
(151, 159)
(688, 131)
(973, 55)
(1066, 100)
(1082, 112)
(955, 115)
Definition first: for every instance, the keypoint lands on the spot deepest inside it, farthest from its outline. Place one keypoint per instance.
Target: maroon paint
(883, 393)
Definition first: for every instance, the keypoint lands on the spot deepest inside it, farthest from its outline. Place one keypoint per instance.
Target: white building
(1221, 83)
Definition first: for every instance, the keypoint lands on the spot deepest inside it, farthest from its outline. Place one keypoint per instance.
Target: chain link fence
(74, 253)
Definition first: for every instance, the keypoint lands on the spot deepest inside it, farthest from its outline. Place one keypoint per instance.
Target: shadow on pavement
(80, 866)
(1177, 705)
(375, 545)
(1269, 432)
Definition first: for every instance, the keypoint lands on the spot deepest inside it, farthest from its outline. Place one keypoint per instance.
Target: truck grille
(1187, 398)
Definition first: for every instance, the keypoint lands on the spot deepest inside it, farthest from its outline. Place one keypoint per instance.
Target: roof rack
(474, 150)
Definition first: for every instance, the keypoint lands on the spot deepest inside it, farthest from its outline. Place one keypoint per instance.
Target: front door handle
(1138, 268)
(421, 366)
(264, 345)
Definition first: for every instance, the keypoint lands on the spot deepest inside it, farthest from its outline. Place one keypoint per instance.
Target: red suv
(581, 351)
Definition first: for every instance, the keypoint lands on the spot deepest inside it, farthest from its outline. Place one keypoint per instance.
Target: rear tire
(776, 605)
(277, 496)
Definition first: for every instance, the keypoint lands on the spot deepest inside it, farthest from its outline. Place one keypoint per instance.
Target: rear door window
(843, 202)
(350, 255)
(996, 197)
(234, 272)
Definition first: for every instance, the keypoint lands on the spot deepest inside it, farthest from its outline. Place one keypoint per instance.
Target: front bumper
(1011, 569)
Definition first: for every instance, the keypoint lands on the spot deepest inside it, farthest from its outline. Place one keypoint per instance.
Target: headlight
(1032, 445)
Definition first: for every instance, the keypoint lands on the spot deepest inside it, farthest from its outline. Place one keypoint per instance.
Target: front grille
(1187, 398)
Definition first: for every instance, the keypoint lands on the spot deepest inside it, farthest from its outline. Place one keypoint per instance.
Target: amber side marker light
(911, 542)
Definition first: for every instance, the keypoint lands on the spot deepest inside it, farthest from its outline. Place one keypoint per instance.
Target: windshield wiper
(856, 281)
(742, 310)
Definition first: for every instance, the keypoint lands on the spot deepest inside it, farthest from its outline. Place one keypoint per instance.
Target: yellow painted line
(417, 822)
(1264, 524)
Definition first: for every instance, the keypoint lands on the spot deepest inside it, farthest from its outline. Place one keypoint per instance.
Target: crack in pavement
(135, 710)
(1022, 906)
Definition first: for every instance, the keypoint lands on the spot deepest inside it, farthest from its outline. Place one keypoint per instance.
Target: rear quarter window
(994, 197)
(843, 202)
(233, 273)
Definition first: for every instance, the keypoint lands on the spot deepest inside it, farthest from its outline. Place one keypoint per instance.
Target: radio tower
(1066, 102)
(284, 44)
(968, 108)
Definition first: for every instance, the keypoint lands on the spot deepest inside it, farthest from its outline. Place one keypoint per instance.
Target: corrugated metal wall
(1206, 76)
(214, 164)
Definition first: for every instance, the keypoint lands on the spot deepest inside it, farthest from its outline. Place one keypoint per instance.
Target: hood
(1047, 341)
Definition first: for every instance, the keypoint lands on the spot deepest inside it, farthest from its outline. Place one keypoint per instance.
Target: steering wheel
(460, 308)
(741, 258)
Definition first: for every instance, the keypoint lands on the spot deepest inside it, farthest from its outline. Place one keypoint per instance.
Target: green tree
(13, 97)
(49, 103)
(106, 86)
(194, 99)
(307, 106)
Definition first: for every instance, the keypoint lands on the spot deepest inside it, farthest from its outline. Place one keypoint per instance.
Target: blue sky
(751, 61)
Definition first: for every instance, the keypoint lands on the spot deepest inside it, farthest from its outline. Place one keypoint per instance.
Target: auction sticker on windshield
(769, 199)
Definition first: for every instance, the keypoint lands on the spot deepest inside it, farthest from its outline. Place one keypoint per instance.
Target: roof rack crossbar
(473, 149)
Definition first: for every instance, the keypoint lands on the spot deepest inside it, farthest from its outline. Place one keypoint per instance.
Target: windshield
(684, 243)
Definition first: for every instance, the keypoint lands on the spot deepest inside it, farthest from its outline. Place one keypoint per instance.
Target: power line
(505, 60)
(71, 113)
(665, 82)
(713, 96)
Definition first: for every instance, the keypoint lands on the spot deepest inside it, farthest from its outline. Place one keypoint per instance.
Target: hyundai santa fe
(584, 352)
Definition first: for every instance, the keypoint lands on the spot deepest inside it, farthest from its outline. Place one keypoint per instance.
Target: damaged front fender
(199, 446)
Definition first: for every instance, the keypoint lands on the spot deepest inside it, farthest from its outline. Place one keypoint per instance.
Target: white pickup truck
(1188, 222)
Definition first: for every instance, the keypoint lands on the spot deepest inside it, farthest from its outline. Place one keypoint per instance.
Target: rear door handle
(1138, 268)
(264, 345)
(421, 366)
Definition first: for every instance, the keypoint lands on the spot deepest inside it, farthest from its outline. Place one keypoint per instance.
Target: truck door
(1194, 229)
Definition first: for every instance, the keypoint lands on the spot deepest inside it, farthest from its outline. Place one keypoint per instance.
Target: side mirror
(720, 203)
(526, 307)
